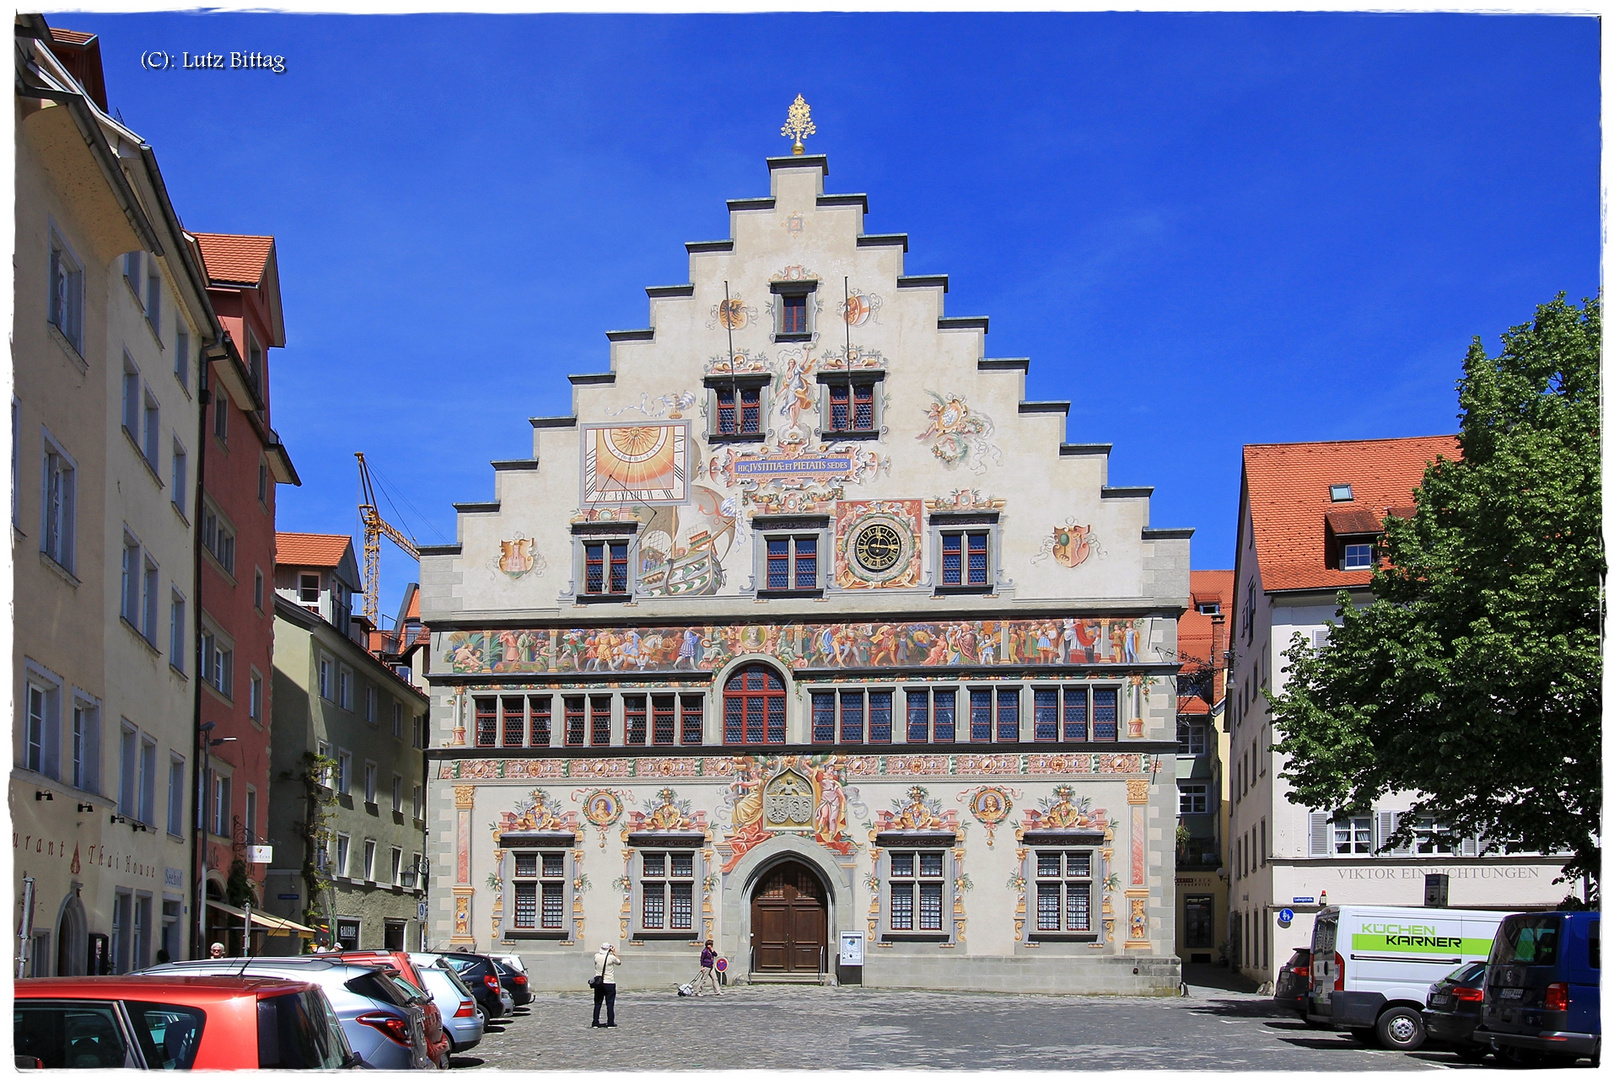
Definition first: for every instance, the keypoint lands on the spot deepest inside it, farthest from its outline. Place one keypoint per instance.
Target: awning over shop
(274, 924)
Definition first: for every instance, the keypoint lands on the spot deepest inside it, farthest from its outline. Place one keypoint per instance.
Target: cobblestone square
(811, 1027)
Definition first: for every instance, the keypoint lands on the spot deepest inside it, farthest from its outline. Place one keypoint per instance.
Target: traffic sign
(1286, 916)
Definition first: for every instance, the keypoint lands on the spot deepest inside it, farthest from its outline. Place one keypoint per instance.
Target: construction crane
(374, 528)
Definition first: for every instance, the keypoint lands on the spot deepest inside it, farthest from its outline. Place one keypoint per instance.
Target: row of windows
(917, 885)
(789, 562)
(337, 861)
(336, 684)
(339, 776)
(754, 713)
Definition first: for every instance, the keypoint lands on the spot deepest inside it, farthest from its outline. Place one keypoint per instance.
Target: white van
(1371, 966)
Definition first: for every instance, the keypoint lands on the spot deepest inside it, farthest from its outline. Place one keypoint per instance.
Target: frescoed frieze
(851, 358)
(896, 765)
(704, 647)
(794, 500)
(877, 544)
(965, 499)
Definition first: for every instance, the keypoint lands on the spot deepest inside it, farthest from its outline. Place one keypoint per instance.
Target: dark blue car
(1541, 988)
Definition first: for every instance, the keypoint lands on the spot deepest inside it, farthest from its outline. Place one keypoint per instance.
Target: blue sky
(1204, 230)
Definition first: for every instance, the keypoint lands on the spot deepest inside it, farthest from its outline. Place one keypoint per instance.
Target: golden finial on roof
(799, 124)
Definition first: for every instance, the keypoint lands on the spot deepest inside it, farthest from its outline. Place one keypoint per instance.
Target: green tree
(1471, 681)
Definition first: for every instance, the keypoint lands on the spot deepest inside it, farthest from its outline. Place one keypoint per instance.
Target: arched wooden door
(789, 921)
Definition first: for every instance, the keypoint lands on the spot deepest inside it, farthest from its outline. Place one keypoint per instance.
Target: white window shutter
(1471, 846)
(1404, 849)
(1322, 826)
(1383, 826)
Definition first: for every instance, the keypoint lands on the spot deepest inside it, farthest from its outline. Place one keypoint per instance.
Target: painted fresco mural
(989, 804)
(773, 794)
(535, 813)
(704, 647)
(665, 812)
(728, 767)
(1063, 810)
(1070, 544)
(959, 435)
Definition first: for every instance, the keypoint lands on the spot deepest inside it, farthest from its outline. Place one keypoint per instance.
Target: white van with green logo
(1371, 966)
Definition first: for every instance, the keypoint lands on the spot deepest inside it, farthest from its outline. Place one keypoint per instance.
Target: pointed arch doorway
(790, 921)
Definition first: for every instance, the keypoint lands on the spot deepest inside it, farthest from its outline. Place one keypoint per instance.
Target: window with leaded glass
(574, 721)
(663, 723)
(605, 567)
(1063, 881)
(859, 715)
(754, 706)
(995, 710)
(515, 720)
(538, 880)
(792, 563)
(667, 891)
(693, 707)
(917, 889)
(964, 559)
(932, 715)
(538, 728)
(487, 721)
(1066, 713)
(739, 410)
(633, 719)
(599, 720)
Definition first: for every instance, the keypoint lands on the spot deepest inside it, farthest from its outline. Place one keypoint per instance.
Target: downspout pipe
(199, 744)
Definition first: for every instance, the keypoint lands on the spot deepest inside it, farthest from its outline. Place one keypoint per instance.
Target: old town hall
(806, 632)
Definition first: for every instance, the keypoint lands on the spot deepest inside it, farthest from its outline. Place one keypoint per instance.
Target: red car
(438, 1042)
(175, 1022)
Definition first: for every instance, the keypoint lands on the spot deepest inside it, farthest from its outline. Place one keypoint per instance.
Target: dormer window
(308, 588)
(1358, 556)
(1209, 607)
(1340, 493)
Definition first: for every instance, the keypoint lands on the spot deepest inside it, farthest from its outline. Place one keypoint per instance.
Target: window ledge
(216, 692)
(735, 437)
(229, 575)
(140, 453)
(832, 435)
(790, 594)
(1051, 936)
(964, 590)
(179, 512)
(61, 571)
(67, 346)
(808, 336)
(537, 935)
(177, 670)
(135, 630)
(917, 936)
(604, 598)
(373, 809)
(666, 935)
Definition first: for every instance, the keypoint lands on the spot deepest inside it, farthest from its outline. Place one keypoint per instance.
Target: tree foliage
(1471, 681)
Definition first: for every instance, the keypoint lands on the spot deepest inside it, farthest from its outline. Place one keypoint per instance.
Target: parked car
(478, 972)
(510, 960)
(1453, 1009)
(176, 1022)
(1542, 998)
(436, 1035)
(1371, 966)
(455, 1001)
(1294, 982)
(381, 1024)
(514, 981)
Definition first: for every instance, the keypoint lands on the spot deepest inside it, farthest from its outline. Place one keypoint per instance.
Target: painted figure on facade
(958, 434)
(1063, 810)
(919, 812)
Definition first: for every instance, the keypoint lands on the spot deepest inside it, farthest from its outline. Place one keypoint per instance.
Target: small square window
(1340, 492)
(1358, 556)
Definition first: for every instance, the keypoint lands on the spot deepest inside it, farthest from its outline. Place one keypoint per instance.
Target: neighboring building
(111, 314)
(1201, 777)
(806, 625)
(1310, 515)
(349, 810)
(239, 461)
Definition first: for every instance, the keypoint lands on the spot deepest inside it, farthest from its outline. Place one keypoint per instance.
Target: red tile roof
(235, 260)
(310, 549)
(1287, 485)
(1194, 631)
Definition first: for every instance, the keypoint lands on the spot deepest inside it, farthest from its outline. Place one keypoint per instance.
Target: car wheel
(1400, 1028)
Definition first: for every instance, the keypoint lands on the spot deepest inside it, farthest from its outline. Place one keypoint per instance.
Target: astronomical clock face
(636, 464)
(881, 547)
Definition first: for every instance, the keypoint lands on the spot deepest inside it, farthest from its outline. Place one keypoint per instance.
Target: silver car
(461, 1019)
(381, 1025)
